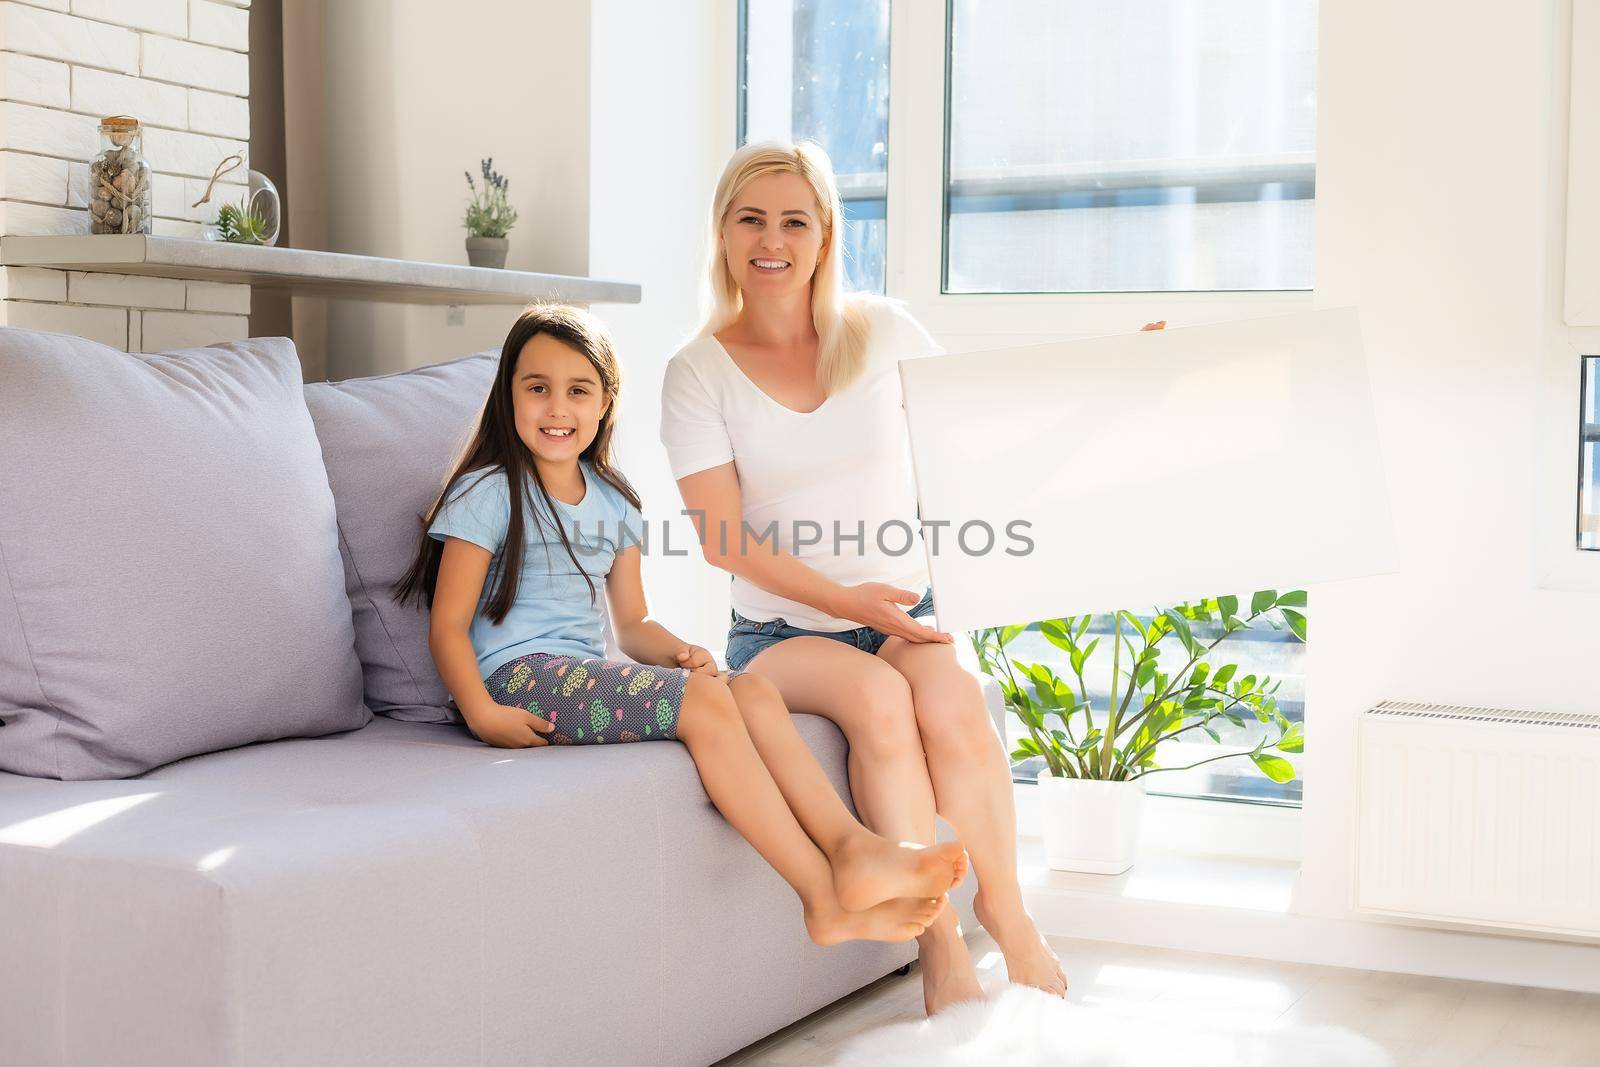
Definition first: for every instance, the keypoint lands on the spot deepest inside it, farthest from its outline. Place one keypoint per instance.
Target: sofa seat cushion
(169, 559)
(404, 894)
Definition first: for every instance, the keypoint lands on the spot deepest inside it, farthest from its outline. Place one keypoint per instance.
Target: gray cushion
(171, 581)
(389, 443)
(403, 895)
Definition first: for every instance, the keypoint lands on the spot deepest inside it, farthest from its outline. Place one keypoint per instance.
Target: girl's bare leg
(867, 869)
(972, 781)
(871, 702)
(740, 786)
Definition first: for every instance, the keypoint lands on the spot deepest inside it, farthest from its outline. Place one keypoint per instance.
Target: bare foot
(1029, 958)
(868, 869)
(893, 920)
(948, 976)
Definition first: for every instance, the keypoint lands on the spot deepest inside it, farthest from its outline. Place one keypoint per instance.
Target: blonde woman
(783, 425)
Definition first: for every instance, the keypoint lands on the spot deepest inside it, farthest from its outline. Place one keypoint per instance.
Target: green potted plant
(1097, 758)
(489, 218)
(244, 223)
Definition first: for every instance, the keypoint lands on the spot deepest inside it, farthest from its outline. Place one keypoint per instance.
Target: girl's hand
(696, 659)
(507, 727)
(873, 604)
(1162, 325)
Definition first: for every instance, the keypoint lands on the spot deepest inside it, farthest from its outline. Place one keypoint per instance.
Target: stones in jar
(119, 179)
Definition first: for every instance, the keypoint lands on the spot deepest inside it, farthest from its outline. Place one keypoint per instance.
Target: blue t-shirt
(552, 611)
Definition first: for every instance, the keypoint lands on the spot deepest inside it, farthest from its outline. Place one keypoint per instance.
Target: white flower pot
(1090, 826)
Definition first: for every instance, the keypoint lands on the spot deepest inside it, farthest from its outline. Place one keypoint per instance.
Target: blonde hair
(840, 318)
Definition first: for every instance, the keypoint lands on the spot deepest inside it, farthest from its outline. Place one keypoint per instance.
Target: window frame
(915, 247)
(1588, 437)
(947, 144)
(865, 187)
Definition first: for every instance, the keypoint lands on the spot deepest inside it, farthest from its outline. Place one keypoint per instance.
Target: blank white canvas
(1152, 468)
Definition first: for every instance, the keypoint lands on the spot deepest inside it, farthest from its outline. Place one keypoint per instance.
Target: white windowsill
(1214, 828)
(1170, 877)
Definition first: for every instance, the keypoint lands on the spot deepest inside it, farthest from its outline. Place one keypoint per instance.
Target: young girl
(516, 633)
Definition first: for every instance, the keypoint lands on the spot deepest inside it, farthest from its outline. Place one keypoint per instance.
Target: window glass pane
(1589, 461)
(819, 70)
(1150, 145)
(1274, 656)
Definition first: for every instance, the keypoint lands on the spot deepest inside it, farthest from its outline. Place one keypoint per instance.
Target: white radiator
(1478, 816)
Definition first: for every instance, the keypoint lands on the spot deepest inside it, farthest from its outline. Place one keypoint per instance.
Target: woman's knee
(952, 715)
(885, 725)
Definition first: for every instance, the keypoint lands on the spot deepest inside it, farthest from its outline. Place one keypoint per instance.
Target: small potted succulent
(254, 220)
(489, 218)
(1097, 758)
(245, 223)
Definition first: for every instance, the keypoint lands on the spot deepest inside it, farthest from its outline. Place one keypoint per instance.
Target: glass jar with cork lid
(119, 179)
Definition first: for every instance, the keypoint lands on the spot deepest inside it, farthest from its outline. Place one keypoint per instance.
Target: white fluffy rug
(1022, 1027)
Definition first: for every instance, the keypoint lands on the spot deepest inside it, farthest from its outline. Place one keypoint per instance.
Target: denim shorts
(747, 637)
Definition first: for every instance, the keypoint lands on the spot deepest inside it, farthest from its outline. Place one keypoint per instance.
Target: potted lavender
(489, 218)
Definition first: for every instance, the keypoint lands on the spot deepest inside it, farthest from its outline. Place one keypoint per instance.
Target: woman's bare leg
(972, 782)
(739, 785)
(871, 702)
(867, 869)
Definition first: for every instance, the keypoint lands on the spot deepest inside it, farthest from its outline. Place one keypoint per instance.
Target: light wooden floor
(1436, 1022)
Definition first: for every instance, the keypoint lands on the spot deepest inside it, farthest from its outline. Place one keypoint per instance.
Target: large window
(1589, 460)
(819, 70)
(1134, 146)
(1146, 146)
(1087, 147)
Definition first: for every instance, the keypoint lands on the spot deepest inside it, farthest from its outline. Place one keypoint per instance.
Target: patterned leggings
(593, 701)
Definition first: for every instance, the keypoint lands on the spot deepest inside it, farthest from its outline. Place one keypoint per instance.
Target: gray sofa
(399, 894)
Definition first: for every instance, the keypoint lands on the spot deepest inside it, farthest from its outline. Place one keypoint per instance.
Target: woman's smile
(770, 266)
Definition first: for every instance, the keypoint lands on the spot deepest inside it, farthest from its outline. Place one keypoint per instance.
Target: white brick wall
(109, 326)
(30, 80)
(219, 24)
(134, 313)
(124, 290)
(182, 68)
(225, 116)
(31, 283)
(163, 330)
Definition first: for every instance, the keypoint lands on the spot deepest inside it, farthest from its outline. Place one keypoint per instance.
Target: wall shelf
(303, 272)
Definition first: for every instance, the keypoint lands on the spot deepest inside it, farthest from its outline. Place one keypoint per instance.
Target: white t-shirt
(844, 468)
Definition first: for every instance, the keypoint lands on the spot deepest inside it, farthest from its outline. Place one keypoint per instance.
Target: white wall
(662, 102)
(1440, 156)
(415, 94)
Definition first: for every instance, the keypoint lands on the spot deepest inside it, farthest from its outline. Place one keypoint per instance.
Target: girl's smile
(557, 398)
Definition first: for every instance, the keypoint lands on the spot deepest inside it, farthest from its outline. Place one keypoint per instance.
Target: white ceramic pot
(1090, 826)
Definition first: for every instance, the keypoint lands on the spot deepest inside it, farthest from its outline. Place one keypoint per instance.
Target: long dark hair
(495, 445)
